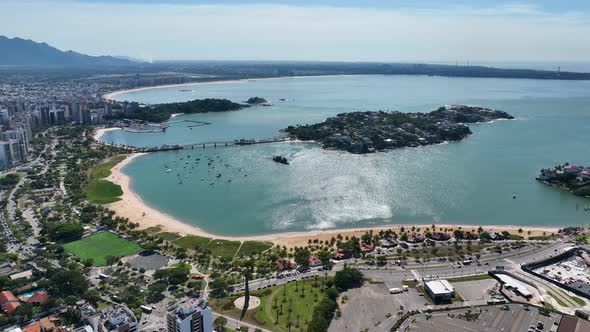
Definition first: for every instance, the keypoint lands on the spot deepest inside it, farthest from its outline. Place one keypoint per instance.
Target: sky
(475, 31)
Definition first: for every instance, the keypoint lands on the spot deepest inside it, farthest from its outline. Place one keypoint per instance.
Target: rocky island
(256, 100)
(575, 179)
(366, 132)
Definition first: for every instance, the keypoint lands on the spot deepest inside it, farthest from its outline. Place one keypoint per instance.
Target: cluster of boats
(186, 165)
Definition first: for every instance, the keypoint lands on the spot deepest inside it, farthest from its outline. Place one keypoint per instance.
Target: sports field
(101, 245)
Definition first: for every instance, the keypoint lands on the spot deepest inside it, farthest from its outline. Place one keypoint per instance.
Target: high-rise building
(85, 116)
(19, 137)
(191, 315)
(5, 158)
(75, 109)
(57, 117)
(4, 116)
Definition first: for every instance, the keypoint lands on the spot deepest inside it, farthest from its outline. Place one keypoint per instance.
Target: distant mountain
(124, 57)
(24, 52)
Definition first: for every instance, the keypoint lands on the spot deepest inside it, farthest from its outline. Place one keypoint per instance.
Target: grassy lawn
(101, 191)
(409, 283)
(153, 230)
(218, 247)
(167, 236)
(271, 300)
(579, 301)
(101, 245)
(223, 248)
(249, 248)
(470, 278)
(192, 241)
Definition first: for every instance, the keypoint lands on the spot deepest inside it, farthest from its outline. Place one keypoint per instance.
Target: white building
(440, 290)
(114, 319)
(192, 315)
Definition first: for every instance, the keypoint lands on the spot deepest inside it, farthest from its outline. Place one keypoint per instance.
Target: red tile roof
(10, 307)
(6, 297)
(38, 297)
(35, 327)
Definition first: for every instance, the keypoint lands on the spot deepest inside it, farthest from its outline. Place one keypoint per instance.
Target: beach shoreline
(110, 95)
(100, 131)
(131, 206)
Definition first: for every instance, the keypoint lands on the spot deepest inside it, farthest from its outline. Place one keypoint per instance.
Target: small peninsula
(572, 178)
(367, 132)
(162, 112)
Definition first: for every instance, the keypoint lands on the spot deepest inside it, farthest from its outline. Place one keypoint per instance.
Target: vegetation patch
(192, 242)
(249, 248)
(102, 191)
(289, 305)
(579, 301)
(101, 245)
(168, 236)
(409, 283)
(470, 278)
(558, 300)
(153, 230)
(223, 248)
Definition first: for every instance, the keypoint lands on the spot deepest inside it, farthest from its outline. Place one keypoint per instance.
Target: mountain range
(18, 52)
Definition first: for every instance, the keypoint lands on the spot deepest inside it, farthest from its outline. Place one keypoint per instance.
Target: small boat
(514, 196)
(168, 170)
(202, 179)
(212, 183)
(218, 175)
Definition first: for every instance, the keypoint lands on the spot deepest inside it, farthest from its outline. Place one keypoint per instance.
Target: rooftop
(187, 307)
(440, 287)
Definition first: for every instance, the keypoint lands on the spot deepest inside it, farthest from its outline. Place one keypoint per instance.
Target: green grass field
(249, 248)
(101, 245)
(218, 247)
(167, 236)
(192, 242)
(101, 191)
(223, 248)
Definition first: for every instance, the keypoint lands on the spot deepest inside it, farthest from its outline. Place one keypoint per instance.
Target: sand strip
(110, 95)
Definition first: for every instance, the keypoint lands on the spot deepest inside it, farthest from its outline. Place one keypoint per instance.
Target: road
(235, 324)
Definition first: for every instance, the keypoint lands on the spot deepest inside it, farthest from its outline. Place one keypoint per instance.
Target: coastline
(133, 207)
(100, 131)
(110, 95)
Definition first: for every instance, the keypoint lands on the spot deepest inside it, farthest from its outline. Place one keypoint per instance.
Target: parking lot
(373, 307)
(516, 318)
(475, 292)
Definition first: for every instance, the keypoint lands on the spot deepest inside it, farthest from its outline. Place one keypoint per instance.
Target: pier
(215, 144)
(202, 145)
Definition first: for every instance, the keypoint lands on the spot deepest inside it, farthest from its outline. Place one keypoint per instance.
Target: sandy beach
(133, 207)
(100, 131)
(110, 95)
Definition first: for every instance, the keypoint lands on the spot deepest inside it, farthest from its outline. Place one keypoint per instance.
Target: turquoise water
(467, 182)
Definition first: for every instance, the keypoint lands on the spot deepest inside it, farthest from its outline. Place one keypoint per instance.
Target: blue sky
(553, 5)
(330, 30)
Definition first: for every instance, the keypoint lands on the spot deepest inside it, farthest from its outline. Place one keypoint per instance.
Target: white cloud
(517, 32)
